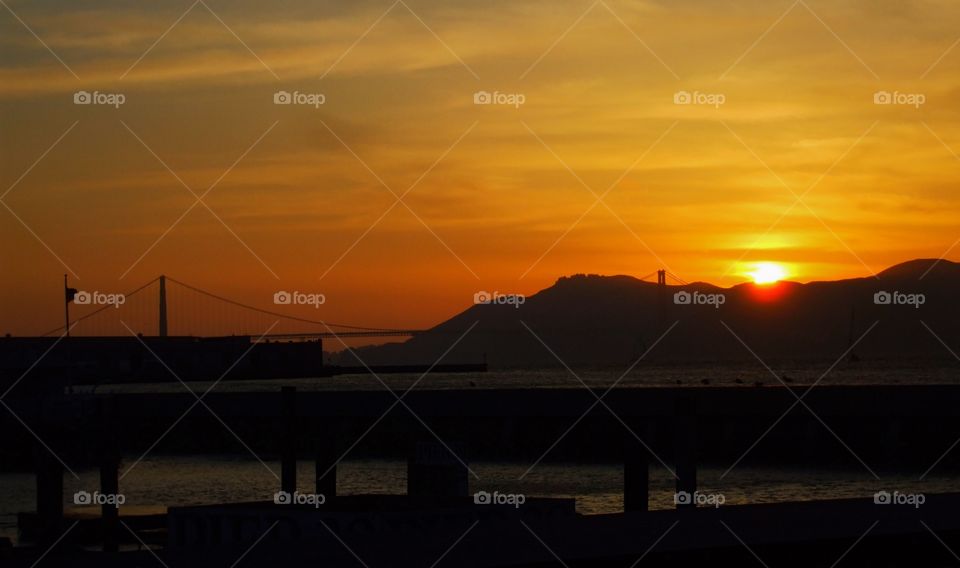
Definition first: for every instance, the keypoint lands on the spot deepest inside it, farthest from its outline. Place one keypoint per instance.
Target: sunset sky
(500, 197)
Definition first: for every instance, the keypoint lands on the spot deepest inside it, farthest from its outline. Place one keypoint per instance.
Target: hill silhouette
(612, 320)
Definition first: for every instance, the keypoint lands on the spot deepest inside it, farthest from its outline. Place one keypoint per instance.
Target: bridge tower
(163, 306)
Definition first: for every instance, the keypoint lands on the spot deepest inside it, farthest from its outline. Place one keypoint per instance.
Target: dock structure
(679, 428)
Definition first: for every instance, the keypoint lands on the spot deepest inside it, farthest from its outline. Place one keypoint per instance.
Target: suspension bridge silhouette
(166, 306)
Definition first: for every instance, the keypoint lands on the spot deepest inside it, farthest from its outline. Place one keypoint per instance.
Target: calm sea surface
(733, 375)
(161, 481)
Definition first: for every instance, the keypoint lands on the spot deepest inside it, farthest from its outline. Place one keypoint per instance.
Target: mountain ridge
(591, 319)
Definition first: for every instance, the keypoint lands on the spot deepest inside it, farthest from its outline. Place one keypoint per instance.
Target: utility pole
(68, 296)
(66, 306)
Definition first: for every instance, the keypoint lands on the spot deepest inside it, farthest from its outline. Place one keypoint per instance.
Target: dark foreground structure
(439, 523)
(144, 359)
(54, 363)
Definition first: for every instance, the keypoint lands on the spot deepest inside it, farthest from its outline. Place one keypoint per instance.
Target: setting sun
(767, 272)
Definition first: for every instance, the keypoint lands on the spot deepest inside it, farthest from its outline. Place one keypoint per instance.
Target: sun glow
(767, 272)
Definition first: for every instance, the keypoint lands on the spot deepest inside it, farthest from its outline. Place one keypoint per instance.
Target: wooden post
(685, 449)
(49, 474)
(49, 477)
(325, 473)
(109, 477)
(636, 470)
(288, 451)
(109, 513)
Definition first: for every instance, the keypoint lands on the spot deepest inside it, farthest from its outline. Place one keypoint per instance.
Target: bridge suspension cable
(346, 329)
(677, 278)
(278, 314)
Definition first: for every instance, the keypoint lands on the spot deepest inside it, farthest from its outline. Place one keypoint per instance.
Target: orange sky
(501, 198)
